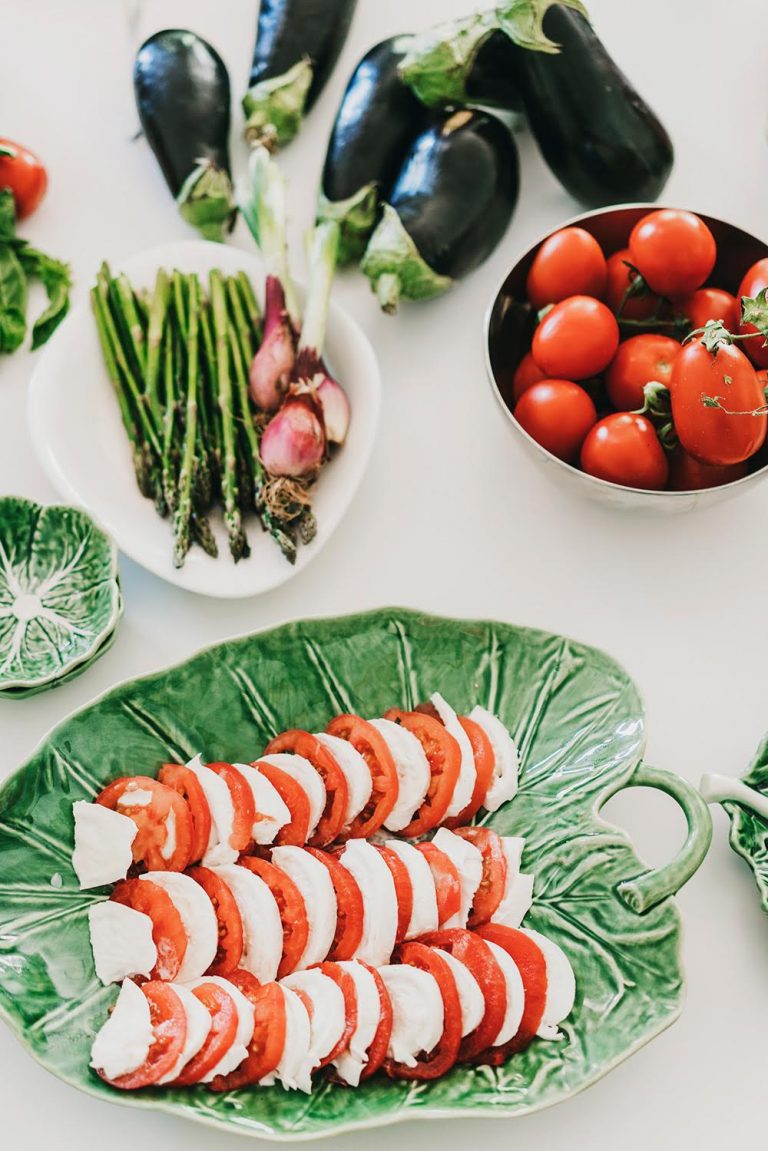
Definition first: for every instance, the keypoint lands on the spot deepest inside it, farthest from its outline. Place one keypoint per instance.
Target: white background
(451, 518)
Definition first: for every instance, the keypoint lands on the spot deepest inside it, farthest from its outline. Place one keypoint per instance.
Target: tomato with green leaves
(640, 360)
(557, 414)
(576, 339)
(623, 448)
(707, 304)
(23, 173)
(673, 250)
(755, 280)
(570, 262)
(640, 303)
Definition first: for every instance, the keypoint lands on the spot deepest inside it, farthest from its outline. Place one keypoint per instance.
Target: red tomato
(22, 172)
(242, 802)
(377, 1052)
(639, 360)
(169, 1028)
(373, 748)
(187, 784)
(268, 1040)
(485, 762)
(688, 475)
(557, 414)
(578, 338)
(755, 279)
(634, 307)
(532, 966)
(444, 756)
(624, 449)
(224, 1020)
(447, 880)
(350, 908)
(168, 934)
(151, 819)
(762, 375)
(710, 304)
(526, 374)
(708, 434)
(478, 958)
(336, 789)
(443, 1056)
(674, 251)
(295, 798)
(494, 878)
(403, 889)
(292, 908)
(228, 918)
(569, 263)
(348, 989)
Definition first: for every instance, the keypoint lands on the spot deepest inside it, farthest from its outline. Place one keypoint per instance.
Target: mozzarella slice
(121, 941)
(515, 995)
(468, 860)
(135, 796)
(506, 760)
(465, 784)
(413, 772)
(219, 799)
(424, 913)
(314, 882)
(307, 777)
(262, 925)
(294, 1070)
(418, 1015)
(356, 772)
(329, 1016)
(198, 918)
(471, 997)
(122, 1044)
(199, 1023)
(518, 891)
(377, 887)
(271, 810)
(103, 842)
(350, 1063)
(561, 985)
(169, 846)
(238, 1051)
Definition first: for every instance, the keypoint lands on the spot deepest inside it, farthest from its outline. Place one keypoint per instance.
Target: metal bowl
(509, 325)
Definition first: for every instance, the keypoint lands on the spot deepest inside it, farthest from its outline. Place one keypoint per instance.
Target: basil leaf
(55, 278)
(7, 214)
(13, 300)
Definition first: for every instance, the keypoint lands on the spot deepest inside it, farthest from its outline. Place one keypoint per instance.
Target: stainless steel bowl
(509, 325)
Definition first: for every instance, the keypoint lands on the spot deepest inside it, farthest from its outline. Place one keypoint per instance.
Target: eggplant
(297, 45)
(182, 95)
(376, 122)
(448, 208)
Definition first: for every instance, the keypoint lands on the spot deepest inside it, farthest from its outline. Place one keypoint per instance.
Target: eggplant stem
(388, 292)
(274, 108)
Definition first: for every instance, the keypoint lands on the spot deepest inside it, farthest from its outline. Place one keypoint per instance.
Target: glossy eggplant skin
(457, 189)
(183, 98)
(599, 137)
(377, 119)
(289, 31)
(493, 76)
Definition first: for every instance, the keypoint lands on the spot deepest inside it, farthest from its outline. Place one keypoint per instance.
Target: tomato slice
(228, 918)
(478, 958)
(494, 879)
(533, 971)
(243, 803)
(151, 819)
(349, 991)
(295, 798)
(377, 1052)
(224, 1021)
(268, 1040)
(447, 880)
(403, 889)
(168, 934)
(485, 762)
(169, 1027)
(372, 746)
(189, 787)
(336, 789)
(444, 756)
(443, 1056)
(350, 908)
(290, 904)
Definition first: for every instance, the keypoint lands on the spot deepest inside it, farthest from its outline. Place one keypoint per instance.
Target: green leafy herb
(13, 301)
(20, 263)
(7, 215)
(55, 277)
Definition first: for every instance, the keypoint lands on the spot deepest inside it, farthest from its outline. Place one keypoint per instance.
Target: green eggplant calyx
(356, 217)
(274, 109)
(391, 253)
(523, 22)
(439, 62)
(207, 200)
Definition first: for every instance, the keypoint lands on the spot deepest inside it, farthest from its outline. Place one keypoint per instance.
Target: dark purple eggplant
(447, 210)
(376, 122)
(297, 45)
(182, 95)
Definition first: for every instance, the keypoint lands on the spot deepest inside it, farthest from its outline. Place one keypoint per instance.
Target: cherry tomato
(168, 933)
(443, 1056)
(624, 449)
(152, 820)
(181, 779)
(478, 958)
(688, 475)
(224, 1020)
(403, 889)
(228, 918)
(268, 1040)
(447, 880)
(377, 1052)
(373, 748)
(23, 172)
(350, 912)
(711, 435)
(336, 788)
(444, 756)
(532, 966)
(346, 984)
(295, 798)
(755, 279)
(762, 375)
(578, 338)
(292, 909)
(169, 1028)
(569, 263)
(493, 882)
(243, 804)
(639, 360)
(526, 374)
(485, 762)
(710, 304)
(635, 307)
(557, 414)
(673, 250)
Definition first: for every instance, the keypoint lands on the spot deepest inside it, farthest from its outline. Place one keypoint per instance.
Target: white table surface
(451, 518)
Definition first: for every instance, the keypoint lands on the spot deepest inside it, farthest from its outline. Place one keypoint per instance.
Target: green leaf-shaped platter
(59, 594)
(579, 725)
(746, 803)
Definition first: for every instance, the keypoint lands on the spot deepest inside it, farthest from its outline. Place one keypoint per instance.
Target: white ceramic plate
(80, 441)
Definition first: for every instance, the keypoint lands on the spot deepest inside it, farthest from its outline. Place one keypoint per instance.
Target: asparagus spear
(170, 367)
(251, 306)
(158, 311)
(238, 544)
(181, 524)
